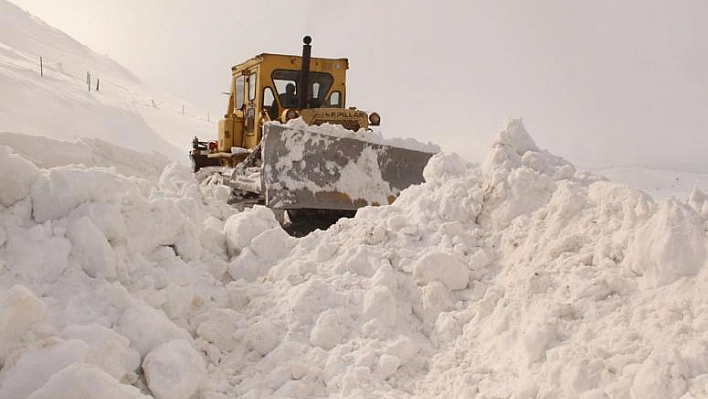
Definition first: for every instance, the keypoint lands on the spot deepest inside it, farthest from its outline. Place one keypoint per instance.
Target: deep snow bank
(53, 99)
(518, 278)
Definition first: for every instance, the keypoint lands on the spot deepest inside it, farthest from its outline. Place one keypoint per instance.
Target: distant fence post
(98, 82)
(88, 80)
(41, 67)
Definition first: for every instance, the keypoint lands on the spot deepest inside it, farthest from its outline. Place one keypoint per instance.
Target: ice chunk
(85, 381)
(243, 227)
(174, 370)
(443, 267)
(670, 246)
(91, 250)
(35, 366)
(19, 310)
(147, 327)
(106, 349)
(17, 177)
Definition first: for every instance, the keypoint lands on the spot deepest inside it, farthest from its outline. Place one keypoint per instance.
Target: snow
(372, 135)
(174, 370)
(124, 111)
(524, 276)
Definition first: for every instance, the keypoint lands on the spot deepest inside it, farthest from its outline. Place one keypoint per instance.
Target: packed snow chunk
(243, 227)
(35, 366)
(188, 244)
(212, 237)
(107, 349)
(272, 245)
(534, 341)
(443, 267)
(263, 336)
(85, 381)
(103, 304)
(20, 309)
(331, 327)
(403, 348)
(147, 327)
(37, 254)
(62, 189)
(177, 179)
(17, 177)
(91, 249)
(380, 305)
(306, 301)
(106, 216)
(661, 376)
(156, 223)
(698, 200)
(388, 365)
(174, 370)
(247, 266)
(510, 194)
(670, 246)
(362, 179)
(515, 137)
(435, 299)
(441, 167)
(178, 300)
(220, 327)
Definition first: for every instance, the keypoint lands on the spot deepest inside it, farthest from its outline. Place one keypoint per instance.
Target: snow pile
(96, 279)
(518, 278)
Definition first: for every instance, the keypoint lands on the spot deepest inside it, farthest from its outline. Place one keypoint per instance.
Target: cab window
(285, 79)
(335, 100)
(252, 87)
(269, 103)
(239, 87)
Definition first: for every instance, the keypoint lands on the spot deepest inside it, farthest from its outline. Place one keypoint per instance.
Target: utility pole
(88, 80)
(41, 67)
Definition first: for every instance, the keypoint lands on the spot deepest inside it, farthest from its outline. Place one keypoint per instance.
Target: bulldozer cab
(271, 87)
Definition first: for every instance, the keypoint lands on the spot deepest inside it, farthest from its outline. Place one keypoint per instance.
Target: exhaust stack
(304, 82)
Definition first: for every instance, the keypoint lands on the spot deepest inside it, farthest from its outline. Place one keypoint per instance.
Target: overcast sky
(596, 82)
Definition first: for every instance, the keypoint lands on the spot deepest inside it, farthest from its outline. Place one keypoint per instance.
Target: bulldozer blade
(309, 170)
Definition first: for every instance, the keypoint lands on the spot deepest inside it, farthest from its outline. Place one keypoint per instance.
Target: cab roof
(292, 62)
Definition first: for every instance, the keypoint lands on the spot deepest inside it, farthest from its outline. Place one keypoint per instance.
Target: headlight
(290, 113)
(374, 119)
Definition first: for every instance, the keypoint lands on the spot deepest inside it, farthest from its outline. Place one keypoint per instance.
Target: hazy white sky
(597, 82)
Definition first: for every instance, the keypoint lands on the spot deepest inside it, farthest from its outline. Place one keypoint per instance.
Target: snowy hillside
(522, 277)
(123, 111)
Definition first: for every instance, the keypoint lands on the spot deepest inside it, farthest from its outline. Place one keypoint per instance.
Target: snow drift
(517, 278)
(61, 104)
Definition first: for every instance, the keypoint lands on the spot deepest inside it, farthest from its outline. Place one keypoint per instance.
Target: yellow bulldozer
(271, 151)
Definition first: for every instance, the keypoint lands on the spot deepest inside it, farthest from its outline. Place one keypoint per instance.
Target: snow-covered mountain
(523, 277)
(119, 109)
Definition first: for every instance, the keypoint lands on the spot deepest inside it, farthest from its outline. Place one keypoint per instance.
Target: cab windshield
(286, 85)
